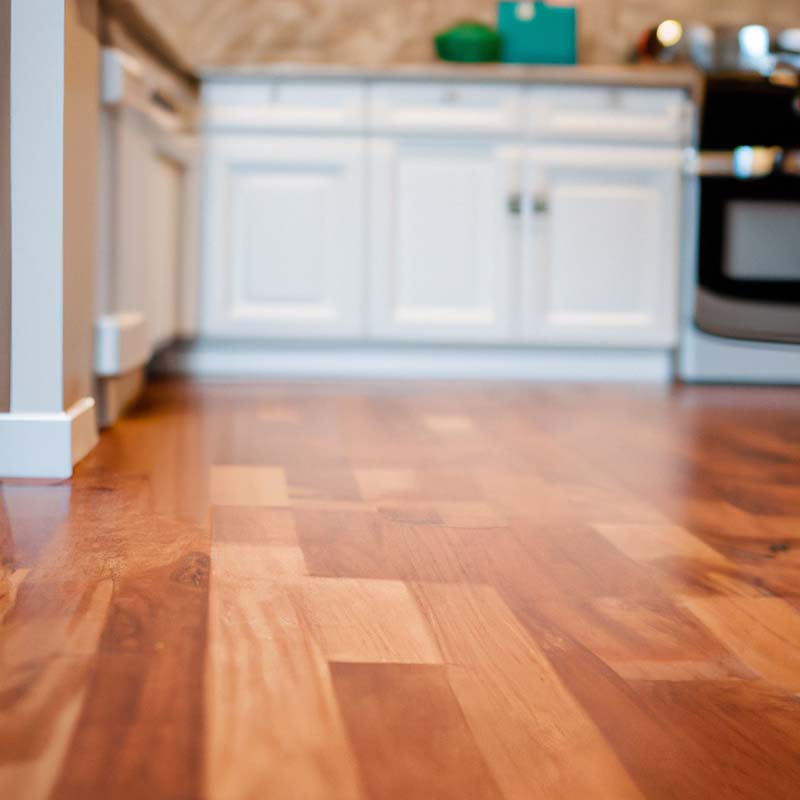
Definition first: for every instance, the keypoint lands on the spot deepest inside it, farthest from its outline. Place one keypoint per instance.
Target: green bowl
(469, 42)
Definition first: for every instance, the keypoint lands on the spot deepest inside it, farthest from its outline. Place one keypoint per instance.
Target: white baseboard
(115, 394)
(713, 359)
(369, 361)
(46, 445)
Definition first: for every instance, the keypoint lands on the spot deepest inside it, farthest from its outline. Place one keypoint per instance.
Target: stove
(746, 279)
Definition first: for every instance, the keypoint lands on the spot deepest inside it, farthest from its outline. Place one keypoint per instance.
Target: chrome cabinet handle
(540, 204)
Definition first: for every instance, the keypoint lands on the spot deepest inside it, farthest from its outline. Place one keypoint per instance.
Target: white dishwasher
(149, 191)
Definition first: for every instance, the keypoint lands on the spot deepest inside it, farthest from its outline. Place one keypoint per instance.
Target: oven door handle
(743, 162)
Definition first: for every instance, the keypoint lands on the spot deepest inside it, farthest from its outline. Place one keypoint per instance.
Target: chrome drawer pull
(540, 204)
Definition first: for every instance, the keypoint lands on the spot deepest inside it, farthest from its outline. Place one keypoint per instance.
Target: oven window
(762, 240)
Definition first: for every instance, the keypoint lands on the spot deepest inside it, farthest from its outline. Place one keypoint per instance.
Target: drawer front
(600, 113)
(449, 107)
(279, 104)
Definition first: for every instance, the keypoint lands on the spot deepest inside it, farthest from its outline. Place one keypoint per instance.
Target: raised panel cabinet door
(443, 234)
(601, 246)
(284, 243)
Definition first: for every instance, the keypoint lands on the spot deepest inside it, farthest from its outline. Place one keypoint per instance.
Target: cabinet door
(442, 239)
(284, 244)
(601, 246)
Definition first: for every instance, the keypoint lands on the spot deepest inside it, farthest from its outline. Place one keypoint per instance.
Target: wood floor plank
(739, 737)
(140, 731)
(46, 653)
(273, 727)
(653, 542)
(449, 424)
(410, 734)
(10, 581)
(341, 542)
(248, 486)
(720, 521)
(666, 732)
(272, 724)
(521, 493)
(247, 563)
(681, 560)
(253, 526)
(278, 414)
(572, 560)
(470, 515)
(641, 639)
(535, 737)
(387, 483)
(30, 517)
(407, 543)
(327, 482)
(256, 545)
(764, 632)
(760, 497)
(366, 621)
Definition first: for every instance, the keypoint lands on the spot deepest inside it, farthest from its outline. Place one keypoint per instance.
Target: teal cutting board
(536, 33)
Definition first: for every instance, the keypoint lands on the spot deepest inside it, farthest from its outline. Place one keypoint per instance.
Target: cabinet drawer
(282, 104)
(445, 106)
(609, 114)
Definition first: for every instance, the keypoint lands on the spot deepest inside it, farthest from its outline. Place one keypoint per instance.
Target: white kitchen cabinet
(443, 239)
(386, 215)
(147, 254)
(601, 246)
(284, 236)
(149, 196)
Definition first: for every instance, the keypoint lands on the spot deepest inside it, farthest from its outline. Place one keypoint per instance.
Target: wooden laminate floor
(401, 591)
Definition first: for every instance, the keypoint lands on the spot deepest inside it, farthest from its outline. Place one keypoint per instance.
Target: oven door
(749, 249)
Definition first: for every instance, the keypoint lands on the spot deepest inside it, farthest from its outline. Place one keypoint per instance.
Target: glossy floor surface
(314, 592)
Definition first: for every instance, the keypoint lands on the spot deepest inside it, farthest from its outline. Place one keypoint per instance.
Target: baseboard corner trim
(46, 445)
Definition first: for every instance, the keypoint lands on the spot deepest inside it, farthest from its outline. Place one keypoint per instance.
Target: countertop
(683, 77)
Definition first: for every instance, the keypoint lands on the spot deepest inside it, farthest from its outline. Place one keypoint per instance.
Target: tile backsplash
(216, 32)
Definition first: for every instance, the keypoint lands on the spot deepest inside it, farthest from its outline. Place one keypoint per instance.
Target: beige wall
(81, 130)
(5, 210)
(374, 31)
